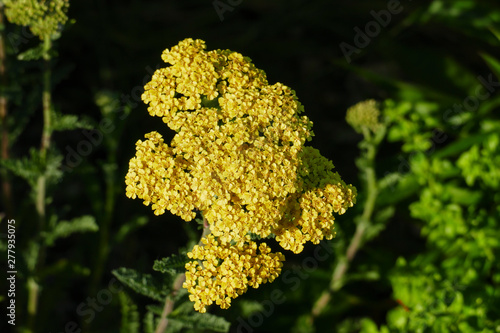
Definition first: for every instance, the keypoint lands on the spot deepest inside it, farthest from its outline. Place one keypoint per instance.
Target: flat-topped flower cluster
(238, 156)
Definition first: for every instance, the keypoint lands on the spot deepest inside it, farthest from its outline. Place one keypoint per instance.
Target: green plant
(40, 168)
(452, 286)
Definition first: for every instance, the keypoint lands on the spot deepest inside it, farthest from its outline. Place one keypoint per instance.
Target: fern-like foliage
(64, 229)
(67, 122)
(168, 286)
(171, 265)
(130, 314)
(31, 167)
(144, 284)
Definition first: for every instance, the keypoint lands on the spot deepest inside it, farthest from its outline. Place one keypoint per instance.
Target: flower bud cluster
(43, 17)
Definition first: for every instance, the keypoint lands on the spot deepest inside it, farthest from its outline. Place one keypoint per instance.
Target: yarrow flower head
(239, 157)
(222, 271)
(43, 17)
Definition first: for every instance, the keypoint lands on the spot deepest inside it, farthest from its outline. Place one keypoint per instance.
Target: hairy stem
(41, 189)
(169, 304)
(46, 99)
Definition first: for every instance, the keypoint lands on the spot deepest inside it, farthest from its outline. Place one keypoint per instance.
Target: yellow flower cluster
(364, 115)
(44, 17)
(238, 155)
(222, 271)
(308, 214)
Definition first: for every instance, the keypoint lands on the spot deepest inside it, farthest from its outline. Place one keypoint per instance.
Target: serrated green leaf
(143, 284)
(21, 169)
(171, 265)
(64, 229)
(33, 166)
(67, 122)
(53, 173)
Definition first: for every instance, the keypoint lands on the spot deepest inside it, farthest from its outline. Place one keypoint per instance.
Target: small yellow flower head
(364, 115)
(309, 212)
(220, 271)
(44, 17)
(238, 156)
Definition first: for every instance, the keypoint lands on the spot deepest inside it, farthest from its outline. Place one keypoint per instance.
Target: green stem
(41, 190)
(169, 304)
(104, 230)
(46, 98)
(103, 247)
(357, 240)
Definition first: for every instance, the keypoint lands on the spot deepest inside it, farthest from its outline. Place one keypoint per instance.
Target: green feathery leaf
(143, 284)
(63, 229)
(171, 265)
